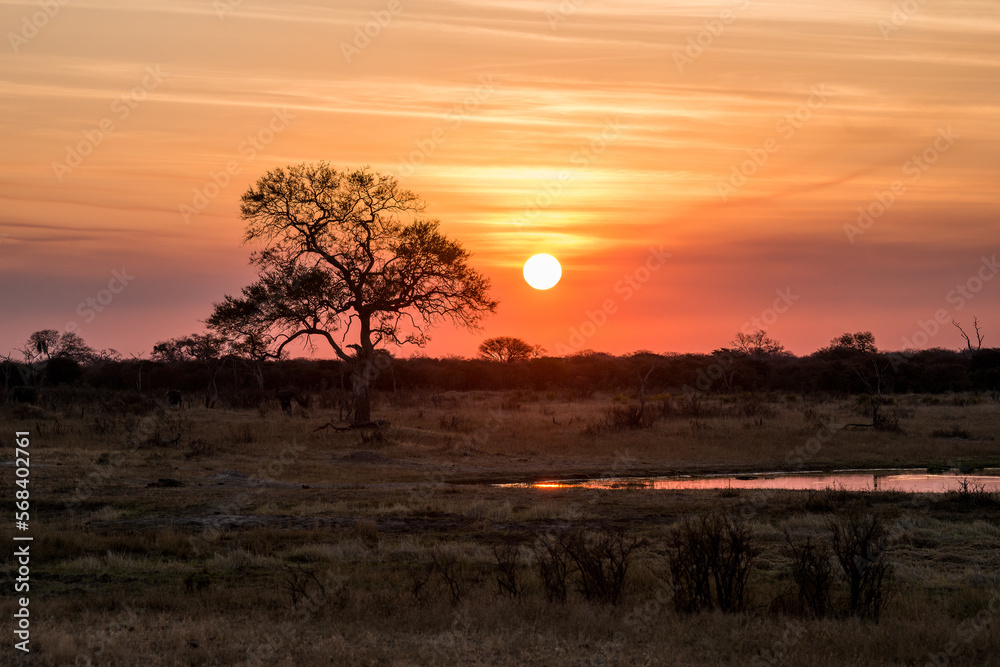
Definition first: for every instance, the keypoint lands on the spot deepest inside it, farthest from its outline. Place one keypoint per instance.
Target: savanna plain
(189, 536)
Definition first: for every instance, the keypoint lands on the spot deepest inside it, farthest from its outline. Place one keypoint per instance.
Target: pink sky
(740, 138)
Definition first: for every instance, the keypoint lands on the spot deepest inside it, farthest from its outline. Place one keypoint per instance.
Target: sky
(698, 168)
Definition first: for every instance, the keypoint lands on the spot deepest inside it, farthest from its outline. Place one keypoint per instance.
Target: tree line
(347, 260)
(203, 366)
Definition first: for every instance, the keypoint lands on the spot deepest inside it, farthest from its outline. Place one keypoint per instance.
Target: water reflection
(872, 480)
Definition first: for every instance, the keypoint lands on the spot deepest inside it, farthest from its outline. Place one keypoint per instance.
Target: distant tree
(209, 349)
(347, 259)
(40, 345)
(189, 348)
(870, 365)
(59, 356)
(643, 363)
(968, 341)
(507, 349)
(758, 345)
(72, 346)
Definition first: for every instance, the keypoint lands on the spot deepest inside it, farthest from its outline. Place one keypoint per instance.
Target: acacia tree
(507, 349)
(347, 259)
(758, 345)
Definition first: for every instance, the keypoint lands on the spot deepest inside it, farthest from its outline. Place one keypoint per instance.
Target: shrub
(508, 582)
(710, 561)
(861, 543)
(448, 567)
(623, 417)
(973, 493)
(812, 573)
(302, 584)
(553, 563)
(602, 561)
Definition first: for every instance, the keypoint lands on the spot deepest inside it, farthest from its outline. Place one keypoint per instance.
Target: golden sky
(696, 167)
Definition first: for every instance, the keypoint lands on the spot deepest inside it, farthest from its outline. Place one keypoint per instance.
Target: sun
(542, 271)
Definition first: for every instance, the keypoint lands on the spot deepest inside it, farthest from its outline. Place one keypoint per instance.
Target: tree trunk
(361, 381)
(362, 377)
(363, 373)
(213, 398)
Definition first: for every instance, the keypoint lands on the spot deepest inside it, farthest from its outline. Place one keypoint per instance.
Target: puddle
(850, 480)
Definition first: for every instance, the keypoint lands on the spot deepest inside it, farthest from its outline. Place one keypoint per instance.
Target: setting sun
(542, 271)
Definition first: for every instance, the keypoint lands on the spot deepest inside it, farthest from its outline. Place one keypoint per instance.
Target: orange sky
(728, 145)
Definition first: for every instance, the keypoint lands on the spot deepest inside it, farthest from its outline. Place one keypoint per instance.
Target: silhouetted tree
(340, 264)
(40, 345)
(968, 341)
(209, 349)
(870, 365)
(57, 357)
(507, 349)
(72, 346)
(758, 345)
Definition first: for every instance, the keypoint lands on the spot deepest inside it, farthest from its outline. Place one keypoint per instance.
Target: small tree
(348, 260)
(507, 349)
(58, 355)
(209, 349)
(72, 346)
(870, 365)
(643, 363)
(40, 345)
(968, 341)
(758, 345)
(861, 544)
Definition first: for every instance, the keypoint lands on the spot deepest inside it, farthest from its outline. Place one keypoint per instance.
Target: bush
(508, 582)
(710, 561)
(447, 565)
(602, 561)
(861, 544)
(552, 561)
(812, 573)
(623, 417)
(973, 493)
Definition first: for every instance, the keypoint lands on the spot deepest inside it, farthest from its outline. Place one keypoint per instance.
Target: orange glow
(685, 187)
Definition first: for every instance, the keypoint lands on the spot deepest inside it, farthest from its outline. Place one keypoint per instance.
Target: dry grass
(203, 573)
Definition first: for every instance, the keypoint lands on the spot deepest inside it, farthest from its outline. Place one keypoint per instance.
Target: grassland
(206, 537)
